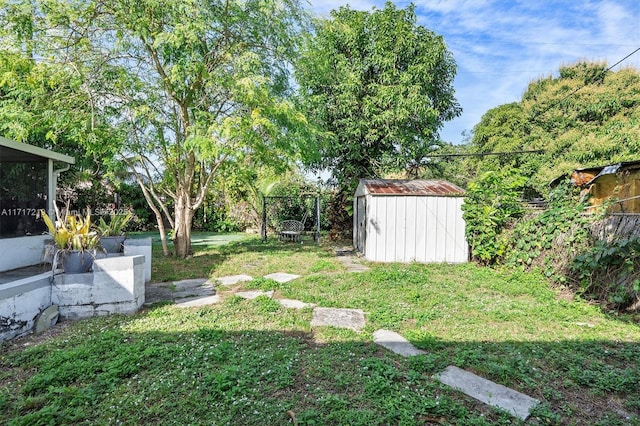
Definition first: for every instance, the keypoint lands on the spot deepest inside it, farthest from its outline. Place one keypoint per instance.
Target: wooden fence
(617, 225)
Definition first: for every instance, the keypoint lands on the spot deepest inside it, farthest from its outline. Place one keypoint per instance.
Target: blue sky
(502, 46)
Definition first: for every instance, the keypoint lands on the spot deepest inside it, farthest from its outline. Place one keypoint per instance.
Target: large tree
(585, 116)
(191, 86)
(379, 87)
(41, 104)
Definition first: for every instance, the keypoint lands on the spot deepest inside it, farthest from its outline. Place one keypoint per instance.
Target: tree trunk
(163, 235)
(182, 228)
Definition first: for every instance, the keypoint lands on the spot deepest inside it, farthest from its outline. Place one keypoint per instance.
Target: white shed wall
(415, 228)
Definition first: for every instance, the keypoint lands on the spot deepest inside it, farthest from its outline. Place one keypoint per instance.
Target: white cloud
(501, 46)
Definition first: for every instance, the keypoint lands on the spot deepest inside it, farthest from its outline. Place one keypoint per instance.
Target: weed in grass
(324, 265)
(265, 304)
(265, 284)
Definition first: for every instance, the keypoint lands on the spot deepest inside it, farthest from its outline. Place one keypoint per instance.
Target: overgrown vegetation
(556, 241)
(610, 271)
(585, 116)
(493, 202)
(549, 239)
(254, 362)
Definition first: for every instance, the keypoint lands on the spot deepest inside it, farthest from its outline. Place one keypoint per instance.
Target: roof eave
(32, 149)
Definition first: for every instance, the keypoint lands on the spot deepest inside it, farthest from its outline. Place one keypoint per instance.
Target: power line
(485, 154)
(584, 85)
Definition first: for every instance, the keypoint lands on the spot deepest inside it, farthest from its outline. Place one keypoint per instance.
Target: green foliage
(610, 271)
(209, 87)
(558, 241)
(548, 239)
(44, 104)
(586, 116)
(378, 87)
(213, 216)
(115, 226)
(298, 202)
(493, 201)
(132, 199)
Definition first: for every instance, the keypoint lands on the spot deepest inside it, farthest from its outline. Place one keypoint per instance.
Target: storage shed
(409, 220)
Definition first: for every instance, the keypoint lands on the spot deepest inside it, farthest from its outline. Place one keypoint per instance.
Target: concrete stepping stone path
(294, 304)
(282, 277)
(252, 294)
(170, 291)
(347, 256)
(396, 343)
(514, 402)
(336, 317)
(200, 301)
(233, 279)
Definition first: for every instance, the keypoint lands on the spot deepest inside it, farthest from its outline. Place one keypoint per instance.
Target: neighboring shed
(618, 183)
(409, 220)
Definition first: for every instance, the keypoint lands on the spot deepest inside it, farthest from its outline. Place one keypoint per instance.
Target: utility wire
(584, 85)
(485, 154)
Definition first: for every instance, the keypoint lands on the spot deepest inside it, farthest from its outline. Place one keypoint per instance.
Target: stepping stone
(336, 317)
(201, 301)
(396, 343)
(516, 403)
(282, 277)
(352, 264)
(193, 288)
(357, 268)
(294, 304)
(233, 279)
(344, 251)
(189, 284)
(252, 294)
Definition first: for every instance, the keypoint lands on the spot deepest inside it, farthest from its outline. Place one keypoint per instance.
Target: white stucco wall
(21, 251)
(20, 303)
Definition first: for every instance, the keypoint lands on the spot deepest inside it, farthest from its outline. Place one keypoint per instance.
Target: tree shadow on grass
(174, 366)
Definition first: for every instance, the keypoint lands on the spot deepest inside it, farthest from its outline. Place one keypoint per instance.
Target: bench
(290, 230)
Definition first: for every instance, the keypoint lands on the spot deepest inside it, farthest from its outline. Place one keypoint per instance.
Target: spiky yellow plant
(71, 232)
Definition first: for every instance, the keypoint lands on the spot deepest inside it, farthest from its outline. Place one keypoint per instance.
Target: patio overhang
(16, 152)
(28, 180)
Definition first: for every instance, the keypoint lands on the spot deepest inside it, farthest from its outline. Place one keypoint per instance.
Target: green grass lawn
(253, 362)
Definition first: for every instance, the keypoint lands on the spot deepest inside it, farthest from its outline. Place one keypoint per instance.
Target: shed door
(361, 230)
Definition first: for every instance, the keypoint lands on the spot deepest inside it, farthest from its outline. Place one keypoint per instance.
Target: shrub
(492, 203)
(610, 272)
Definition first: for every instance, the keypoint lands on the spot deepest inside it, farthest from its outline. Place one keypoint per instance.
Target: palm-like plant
(115, 226)
(71, 232)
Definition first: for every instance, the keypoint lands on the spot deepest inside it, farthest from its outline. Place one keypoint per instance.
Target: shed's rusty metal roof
(410, 187)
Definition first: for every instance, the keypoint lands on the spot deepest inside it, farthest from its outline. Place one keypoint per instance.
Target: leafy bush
(492, 203)
(549, 239)
(610, 271)
(559, 242)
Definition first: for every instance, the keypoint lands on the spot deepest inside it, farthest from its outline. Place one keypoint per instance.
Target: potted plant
(112, 233)
(76, 243)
